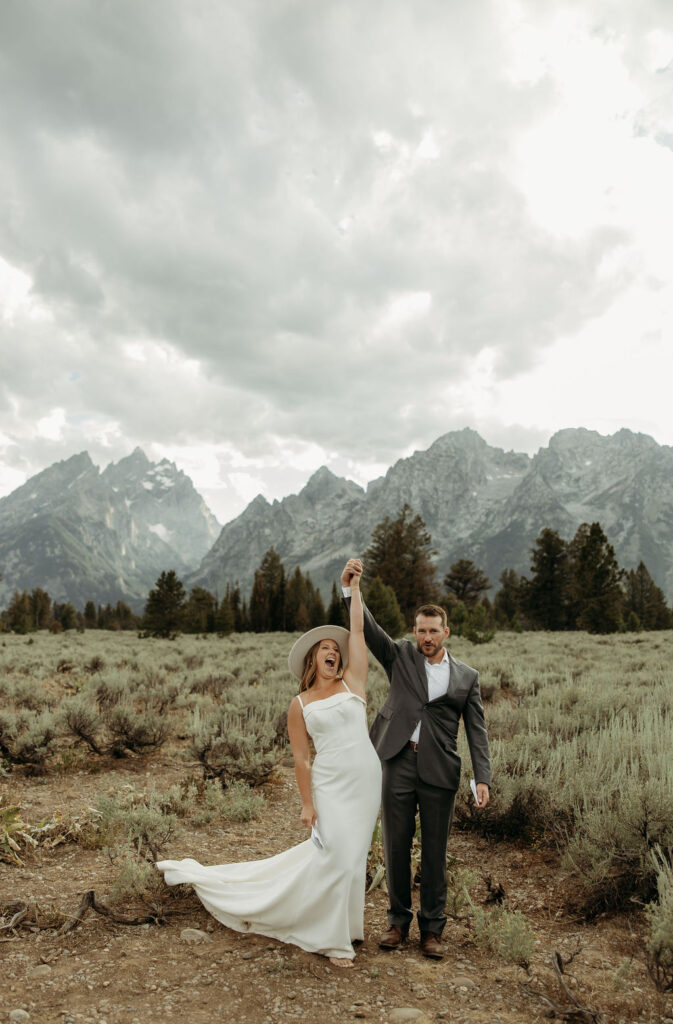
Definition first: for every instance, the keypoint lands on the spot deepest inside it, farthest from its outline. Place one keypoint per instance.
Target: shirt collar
(444, 661)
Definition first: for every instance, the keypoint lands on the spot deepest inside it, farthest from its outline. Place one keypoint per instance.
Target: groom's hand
(483, 795)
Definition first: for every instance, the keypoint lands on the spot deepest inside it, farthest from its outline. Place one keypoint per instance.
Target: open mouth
(330, 660)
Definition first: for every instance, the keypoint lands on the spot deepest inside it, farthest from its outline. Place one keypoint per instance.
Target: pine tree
(268, 596)
(225, 619)
(200, 611)
(382, 603)
(239, 610)
(644, 599)
(400, 553)
(18, 616)
(68, 616)
(259, 605)
(90, 615)
(466, 582)
(546, 595)
(124, 617)
(295, 597)
(336, 613)
(165, 605)
(595, 586)
(40, 604)
(316, 611)
(507, 601)
(106, 616)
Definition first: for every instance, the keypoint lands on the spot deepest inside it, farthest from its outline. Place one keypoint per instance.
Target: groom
(415, 735)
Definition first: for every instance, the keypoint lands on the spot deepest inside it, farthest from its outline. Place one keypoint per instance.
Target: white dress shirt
(438, 684)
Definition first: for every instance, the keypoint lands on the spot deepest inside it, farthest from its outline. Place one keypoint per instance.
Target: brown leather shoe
(431, 946)
(393, 938)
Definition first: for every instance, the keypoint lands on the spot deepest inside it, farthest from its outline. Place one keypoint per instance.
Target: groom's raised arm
(382, 646)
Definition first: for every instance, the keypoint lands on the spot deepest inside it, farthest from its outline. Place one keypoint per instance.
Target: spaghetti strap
(301, 703)
(347, 687)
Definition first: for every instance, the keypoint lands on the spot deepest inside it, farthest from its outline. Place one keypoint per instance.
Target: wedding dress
(311, 897)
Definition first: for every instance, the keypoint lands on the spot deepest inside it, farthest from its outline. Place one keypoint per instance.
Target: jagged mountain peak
(324, 483)
(52, 484)
(258, 503)
(133, 465)
(465, 439)
(137, 455)
(71, 468)
(574, 439)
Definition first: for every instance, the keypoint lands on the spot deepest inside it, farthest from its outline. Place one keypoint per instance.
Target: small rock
(194, 935)
(463, 981)
(247, 956)
(41, 971)
(403, 1014)
(18, 1015)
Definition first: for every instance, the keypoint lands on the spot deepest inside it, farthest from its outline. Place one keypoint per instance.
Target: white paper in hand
(317, 838)
(473, 787)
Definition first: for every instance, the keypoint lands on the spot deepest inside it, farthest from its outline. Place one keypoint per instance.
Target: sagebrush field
(116, 749)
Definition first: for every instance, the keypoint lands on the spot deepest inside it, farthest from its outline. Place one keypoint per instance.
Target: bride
(312, 895)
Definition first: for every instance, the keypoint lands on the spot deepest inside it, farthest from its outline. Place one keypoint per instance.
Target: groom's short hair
(433, 611)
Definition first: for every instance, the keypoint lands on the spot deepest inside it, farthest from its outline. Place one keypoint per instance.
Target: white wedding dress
(310, 897)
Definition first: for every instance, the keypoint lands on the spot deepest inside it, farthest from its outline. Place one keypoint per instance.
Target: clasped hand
(350, 577)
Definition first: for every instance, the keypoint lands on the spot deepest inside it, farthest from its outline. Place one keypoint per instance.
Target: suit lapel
(421, 674)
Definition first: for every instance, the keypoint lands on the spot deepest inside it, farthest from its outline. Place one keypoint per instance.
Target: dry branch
(20, 914)
(90, 901)
(572, 1010)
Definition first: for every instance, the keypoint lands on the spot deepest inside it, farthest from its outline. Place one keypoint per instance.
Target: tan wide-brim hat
(305, 643)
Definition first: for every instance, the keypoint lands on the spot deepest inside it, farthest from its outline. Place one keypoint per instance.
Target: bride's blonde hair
(309, 671)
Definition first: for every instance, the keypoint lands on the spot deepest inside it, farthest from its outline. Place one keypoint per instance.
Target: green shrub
(237, 803)
(506, 932)
(137, 820)
(27, 738)
(235, 748)
(81, 720)
(660, 925)
(137, 731)
(459, 883)
(610, 853)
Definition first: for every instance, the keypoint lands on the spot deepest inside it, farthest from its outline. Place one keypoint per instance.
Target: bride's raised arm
(358, 659)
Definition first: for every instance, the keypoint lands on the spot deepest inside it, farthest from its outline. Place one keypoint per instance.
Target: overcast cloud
(258, 237)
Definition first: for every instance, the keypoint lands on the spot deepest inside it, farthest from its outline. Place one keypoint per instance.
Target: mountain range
(477, 501)
(85, 535)
(82, 534)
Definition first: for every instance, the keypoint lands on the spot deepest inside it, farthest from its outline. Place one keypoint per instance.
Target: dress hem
(251, 928)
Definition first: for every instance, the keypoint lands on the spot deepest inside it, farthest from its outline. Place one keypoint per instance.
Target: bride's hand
(352, 572)
(308, 815)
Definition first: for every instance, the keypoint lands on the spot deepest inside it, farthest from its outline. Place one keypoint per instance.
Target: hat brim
(305, 642)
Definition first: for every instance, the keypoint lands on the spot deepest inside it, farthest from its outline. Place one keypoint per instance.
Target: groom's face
(430, 633)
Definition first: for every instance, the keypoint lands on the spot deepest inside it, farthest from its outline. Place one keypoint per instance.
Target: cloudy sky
(259, 236)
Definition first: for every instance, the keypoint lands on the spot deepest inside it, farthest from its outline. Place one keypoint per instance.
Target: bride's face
(328, 659)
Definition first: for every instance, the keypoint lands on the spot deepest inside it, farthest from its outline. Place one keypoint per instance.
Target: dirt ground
(113, 974)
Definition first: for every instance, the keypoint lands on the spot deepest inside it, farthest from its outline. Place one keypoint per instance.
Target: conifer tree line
(573, 584)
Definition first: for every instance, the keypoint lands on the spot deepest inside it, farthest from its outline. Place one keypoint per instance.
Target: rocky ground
(195, 970)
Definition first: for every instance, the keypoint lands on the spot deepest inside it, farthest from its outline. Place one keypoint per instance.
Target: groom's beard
(430, 649)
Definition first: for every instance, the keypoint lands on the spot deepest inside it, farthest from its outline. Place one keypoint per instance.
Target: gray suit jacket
(408, 704)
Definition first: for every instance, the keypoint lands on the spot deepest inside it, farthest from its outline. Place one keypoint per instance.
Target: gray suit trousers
(403, 792)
